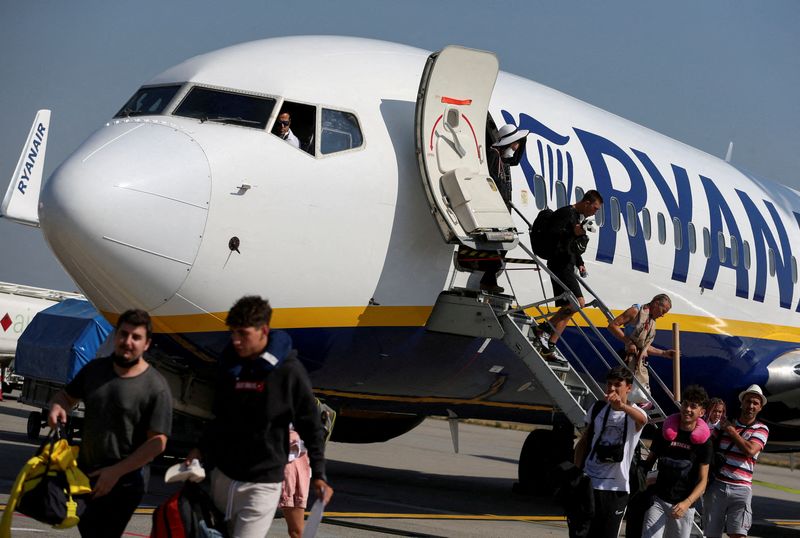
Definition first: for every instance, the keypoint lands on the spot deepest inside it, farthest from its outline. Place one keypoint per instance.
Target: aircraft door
(450, 125)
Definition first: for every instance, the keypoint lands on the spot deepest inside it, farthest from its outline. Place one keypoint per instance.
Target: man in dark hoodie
(262, 388)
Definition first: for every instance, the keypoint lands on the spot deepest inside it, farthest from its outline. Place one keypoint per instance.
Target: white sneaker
(180, 472)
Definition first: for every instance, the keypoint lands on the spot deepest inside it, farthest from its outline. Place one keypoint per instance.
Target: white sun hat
(509, 134)
(753, 389)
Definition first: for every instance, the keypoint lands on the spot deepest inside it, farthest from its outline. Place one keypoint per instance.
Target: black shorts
(566, 275)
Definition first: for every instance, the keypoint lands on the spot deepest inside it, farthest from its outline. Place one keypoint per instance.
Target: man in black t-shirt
(566, 224)
(683, 457)
(128, 417)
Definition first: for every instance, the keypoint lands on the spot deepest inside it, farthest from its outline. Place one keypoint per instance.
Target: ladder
(564, 376)
(479, 314)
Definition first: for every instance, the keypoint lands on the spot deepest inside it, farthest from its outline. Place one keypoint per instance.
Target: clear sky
(703, 72)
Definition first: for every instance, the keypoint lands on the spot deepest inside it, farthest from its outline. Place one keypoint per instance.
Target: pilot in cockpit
(285, 131)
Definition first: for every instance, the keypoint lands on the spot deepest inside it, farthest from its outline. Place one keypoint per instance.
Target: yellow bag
(49, 488)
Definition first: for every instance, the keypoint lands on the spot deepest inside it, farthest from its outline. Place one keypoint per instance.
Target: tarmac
(414, 485)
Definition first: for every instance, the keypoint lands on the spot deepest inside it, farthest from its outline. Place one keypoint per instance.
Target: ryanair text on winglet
(33, 153)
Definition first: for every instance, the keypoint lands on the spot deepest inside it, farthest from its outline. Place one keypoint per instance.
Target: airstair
(564, 376)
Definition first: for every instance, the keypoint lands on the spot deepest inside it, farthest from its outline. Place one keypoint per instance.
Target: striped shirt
(738, 468)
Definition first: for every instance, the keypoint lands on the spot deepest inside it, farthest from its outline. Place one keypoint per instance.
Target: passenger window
(794, 269)
(646, 223)
(721, 246)
(540, 192)
(662, 228)
(632, 220)
(734, 251)
(706, 242)
(746, 251)
(615, 216)
(771, 262)
(676, 230)
(227, 107)
(579, 194)
(340, 131)
(692, 238)
(561, 194)
(600, 217)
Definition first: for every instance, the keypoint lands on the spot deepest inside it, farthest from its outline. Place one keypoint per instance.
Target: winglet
(21, 202)
(729, 154)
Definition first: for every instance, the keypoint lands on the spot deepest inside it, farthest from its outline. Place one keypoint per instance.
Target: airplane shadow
(408, 248)
(365, 488)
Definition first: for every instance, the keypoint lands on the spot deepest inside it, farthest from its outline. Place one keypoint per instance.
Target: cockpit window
(148, 101)
(340, 131)
(219, 106)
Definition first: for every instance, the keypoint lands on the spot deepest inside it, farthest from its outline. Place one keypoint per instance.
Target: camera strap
(603, 429)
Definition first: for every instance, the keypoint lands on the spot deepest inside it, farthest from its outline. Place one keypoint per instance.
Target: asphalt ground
(414, 485)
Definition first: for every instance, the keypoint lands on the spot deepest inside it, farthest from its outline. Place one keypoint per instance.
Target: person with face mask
(505, 153)
(127, 419)
(502, 155)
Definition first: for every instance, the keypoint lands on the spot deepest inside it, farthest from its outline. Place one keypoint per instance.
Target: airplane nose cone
(125, 214)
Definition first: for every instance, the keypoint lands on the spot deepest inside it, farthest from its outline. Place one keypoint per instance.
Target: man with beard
(128, 416)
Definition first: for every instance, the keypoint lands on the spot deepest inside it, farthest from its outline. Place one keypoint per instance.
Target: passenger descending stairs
(499, 317)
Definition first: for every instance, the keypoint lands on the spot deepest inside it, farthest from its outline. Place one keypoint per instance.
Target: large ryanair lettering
(718, 210)
(597, 149)
(763, 239)
(680, 208)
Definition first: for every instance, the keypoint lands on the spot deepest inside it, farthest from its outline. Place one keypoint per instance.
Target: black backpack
(543, 240)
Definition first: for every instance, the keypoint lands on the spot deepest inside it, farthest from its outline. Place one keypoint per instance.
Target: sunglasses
(283, 122)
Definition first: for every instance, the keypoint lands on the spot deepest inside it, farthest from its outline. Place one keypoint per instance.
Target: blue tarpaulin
(60, 340)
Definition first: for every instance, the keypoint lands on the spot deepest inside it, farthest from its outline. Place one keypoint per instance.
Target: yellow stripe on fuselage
(417, 316)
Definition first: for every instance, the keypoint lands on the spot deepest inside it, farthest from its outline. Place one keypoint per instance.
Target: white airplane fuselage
(344, 246)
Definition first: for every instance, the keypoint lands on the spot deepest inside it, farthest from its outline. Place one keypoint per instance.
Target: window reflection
(631, 219)
(678, 232)
(615, 216)
(646, 229)
(148, 101)
(540, 192)
(561, 194)
(231, 108)
(340, 131)
(746, 251)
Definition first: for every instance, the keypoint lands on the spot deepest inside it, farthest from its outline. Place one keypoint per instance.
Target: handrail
(522, 216)
(607, 312)
(603, 308)
(576, 305)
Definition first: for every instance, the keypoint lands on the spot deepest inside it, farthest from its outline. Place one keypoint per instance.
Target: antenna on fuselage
(729, 154)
